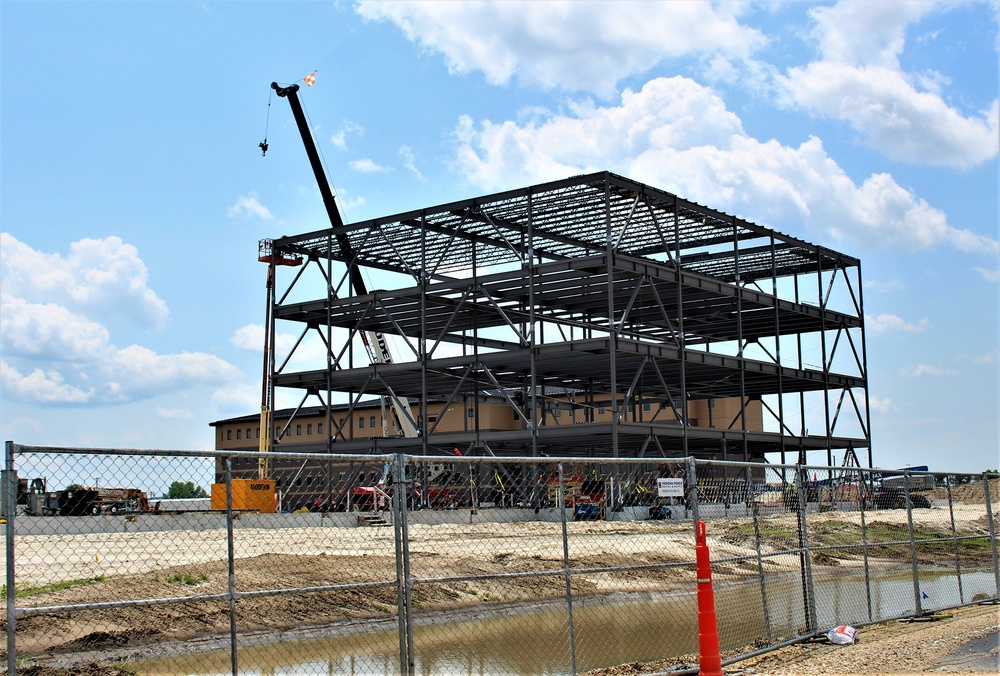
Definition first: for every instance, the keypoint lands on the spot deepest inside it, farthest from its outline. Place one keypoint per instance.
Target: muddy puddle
(607, 631)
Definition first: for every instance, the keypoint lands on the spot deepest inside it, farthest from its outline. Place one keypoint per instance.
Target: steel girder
(596, 287)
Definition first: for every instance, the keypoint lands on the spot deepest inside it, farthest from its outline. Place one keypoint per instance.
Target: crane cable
(263, 144)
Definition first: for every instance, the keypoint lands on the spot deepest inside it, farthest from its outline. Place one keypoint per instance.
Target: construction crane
(375, 342)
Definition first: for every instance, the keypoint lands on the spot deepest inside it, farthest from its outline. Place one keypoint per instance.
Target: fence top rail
(840, 468)
(21, 449)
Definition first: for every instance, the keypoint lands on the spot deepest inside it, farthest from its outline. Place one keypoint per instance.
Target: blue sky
(134, 194)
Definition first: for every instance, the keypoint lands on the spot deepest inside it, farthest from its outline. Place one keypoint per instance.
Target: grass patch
(184, 578)
(32, 590)
(766, 532)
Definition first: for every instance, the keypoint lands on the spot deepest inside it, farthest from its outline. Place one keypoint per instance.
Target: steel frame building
(593, 292)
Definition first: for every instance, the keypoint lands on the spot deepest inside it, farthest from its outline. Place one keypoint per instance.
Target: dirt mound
(970, 494)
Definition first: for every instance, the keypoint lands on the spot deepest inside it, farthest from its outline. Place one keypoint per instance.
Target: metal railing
(406, 564)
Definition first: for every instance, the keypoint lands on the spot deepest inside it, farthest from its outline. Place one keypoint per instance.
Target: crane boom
(374, 341)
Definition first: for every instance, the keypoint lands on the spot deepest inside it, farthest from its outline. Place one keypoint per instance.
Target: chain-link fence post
(760, 560)
(231, 565)
(954, 539)
(404, 598)
(566, 570)
(9, 508)
(918, 606)
(805, 557)
(993, 531)
(691, 493)
(863, 493)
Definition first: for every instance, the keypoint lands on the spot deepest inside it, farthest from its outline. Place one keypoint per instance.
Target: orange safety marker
(710, 659)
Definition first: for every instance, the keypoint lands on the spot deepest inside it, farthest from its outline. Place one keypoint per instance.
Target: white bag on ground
(842, 635)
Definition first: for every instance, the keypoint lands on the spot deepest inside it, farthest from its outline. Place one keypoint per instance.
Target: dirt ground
(166, 565)
(961, 641)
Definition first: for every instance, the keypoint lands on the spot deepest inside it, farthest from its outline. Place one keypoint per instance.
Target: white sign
(670, 488)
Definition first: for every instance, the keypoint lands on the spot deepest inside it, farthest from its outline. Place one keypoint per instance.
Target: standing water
(608, 631)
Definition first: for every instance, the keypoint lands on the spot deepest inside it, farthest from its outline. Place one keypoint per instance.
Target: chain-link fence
(207, 563)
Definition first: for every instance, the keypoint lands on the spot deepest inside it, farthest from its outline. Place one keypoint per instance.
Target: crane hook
(263, 147)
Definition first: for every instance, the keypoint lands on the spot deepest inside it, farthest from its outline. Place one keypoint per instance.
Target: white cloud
(249, 206)
(251, 339)
(866, 32)
(347, 129)
(237, 398)
(55, 353)
(40, 387)
(583, 46)
(988, 274)
(887, 323)
(891, 286)
(678, 135)
(50, 331)
(350, 202)
(987, 358)
(367, 166)
(410, 162)
(138, 372)
(106, 374)
(102, 277)
(859, 80)
(901, 122)
(175, 413)
(883, 405)
(26, 424)
(920, 370)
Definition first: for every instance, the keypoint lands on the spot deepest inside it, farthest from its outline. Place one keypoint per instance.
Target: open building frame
(559, 300)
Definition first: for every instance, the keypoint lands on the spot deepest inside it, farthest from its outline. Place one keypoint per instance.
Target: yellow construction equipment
(249, 495)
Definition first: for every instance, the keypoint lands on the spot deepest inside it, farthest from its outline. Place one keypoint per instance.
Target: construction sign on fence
(670, 488)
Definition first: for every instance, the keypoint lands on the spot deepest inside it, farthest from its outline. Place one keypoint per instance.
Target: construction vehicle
(37, 499)
(249, 495)
(891, 490)
(85, 500)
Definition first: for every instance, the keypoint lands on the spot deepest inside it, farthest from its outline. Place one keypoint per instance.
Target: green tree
(186, 489)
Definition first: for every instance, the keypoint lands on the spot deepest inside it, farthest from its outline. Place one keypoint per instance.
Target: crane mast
(266, 254)
(375, 342)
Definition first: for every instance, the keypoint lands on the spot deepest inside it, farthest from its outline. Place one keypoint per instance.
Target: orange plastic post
(710, 659)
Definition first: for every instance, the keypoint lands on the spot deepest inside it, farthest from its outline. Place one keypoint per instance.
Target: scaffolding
(593, 293)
